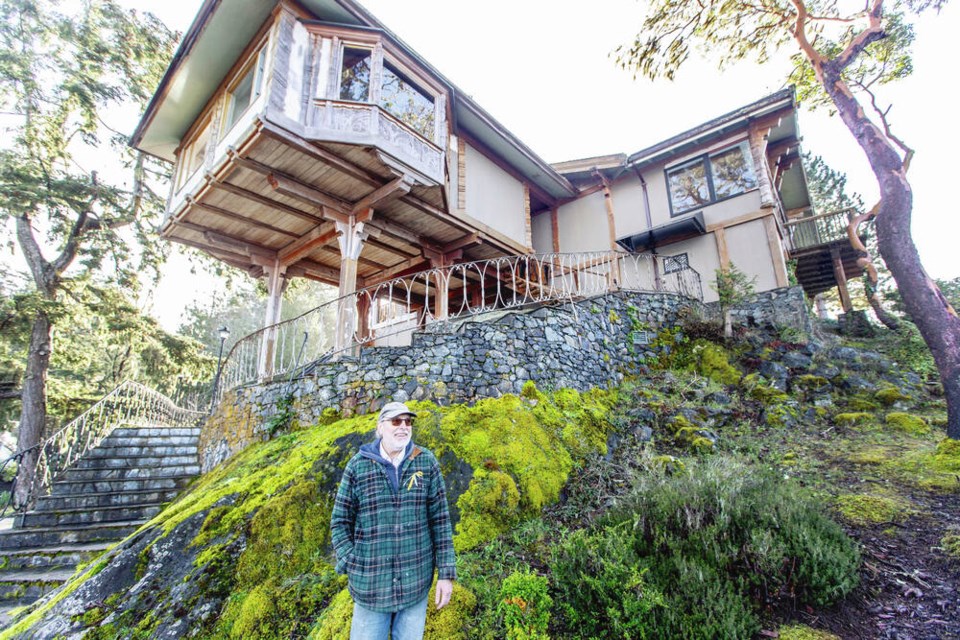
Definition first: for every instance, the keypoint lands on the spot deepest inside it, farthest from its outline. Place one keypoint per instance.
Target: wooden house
(309, 141)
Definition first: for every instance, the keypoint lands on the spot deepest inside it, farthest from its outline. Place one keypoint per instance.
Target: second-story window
(355, 74)
(406, 101)
(245, 90)
(711, 178)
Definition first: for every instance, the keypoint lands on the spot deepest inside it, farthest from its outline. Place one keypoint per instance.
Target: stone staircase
(104, 497)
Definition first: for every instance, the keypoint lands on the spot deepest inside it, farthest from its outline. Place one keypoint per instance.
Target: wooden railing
(821, 229)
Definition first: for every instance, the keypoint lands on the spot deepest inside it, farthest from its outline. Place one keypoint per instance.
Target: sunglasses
(399, 421)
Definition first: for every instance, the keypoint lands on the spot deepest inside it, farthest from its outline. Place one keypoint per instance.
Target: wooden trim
(527, 223)
(461, 173)
(776, 251)
(555, 229)
(720, 236)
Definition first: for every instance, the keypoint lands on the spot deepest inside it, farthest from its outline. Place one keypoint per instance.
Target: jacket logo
(414, 480)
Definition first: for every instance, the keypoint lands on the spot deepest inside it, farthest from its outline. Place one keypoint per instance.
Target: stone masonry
(590, 343)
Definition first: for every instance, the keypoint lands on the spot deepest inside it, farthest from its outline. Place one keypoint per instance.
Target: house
(309, 141)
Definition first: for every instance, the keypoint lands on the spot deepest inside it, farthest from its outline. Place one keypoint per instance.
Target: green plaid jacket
(388, 541)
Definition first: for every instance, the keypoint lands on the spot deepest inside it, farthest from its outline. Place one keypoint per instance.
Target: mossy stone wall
(590, 343)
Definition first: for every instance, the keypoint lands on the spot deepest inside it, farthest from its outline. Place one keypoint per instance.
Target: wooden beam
(267, 202)
(239, 218)
(319, 235)
(390, 191)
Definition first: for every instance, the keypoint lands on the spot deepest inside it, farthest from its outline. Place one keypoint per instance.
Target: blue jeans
(406, 624)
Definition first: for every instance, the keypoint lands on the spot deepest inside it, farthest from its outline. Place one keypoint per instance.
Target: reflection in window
(679, 262)
(688, 186)
(711, 178)
(355, 74)
(246, 90)
(732, 172)
(402, 98)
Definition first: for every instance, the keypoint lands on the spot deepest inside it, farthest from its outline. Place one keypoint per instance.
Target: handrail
(130, 403)
(378, 314)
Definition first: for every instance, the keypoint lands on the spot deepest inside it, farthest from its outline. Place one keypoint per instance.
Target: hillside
(722, 492)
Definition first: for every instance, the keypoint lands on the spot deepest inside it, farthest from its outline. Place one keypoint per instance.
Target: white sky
(543, 69)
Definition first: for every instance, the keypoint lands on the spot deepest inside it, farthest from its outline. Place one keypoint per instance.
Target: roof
(223, 28)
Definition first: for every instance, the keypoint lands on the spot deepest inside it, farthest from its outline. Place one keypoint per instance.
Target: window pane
(688, 187)
(240, 97)
(732, 172)
(403, 99)
(355, 75)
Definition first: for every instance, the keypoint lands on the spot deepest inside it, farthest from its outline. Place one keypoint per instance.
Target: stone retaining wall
(591, 343)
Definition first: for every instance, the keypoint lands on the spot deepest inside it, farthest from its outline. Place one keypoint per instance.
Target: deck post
(276, 285)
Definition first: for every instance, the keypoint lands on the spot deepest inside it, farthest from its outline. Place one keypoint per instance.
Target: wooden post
(351, 238)
(276, 284)
(841, 281)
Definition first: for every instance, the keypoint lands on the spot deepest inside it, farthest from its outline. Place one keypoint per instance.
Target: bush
(525, 606)
(719, 543)
(601, 586)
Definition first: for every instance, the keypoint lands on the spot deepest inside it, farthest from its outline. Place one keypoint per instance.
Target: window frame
(704, 160)
(257, 64)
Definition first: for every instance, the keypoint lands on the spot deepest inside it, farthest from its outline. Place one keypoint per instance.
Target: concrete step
(132, 462)
(72, 517)
(39, 537)
(158, 450)
(60, 557)
(107, 499)
(155, 432)
(24, 587)
(114, 440)
(101, 474)
(165, 483)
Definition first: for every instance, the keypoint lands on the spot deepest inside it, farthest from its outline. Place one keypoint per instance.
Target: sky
(544, 69)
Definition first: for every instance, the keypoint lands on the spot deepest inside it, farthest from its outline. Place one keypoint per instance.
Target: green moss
(907, 423)
(448, 623)
(845, 419)
(803, 632)
(889, 396)
(865, 509)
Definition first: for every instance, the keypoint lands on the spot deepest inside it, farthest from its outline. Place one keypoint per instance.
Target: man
(390, 527)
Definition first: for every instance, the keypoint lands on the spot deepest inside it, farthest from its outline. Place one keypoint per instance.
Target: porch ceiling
(276, 197)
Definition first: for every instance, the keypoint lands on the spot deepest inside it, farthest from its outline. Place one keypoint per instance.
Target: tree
(732, 287)
(840, 58)
(64, 76)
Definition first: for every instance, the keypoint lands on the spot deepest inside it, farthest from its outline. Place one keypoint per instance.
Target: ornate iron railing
(387, 313)
(820, 229)
(129, 404)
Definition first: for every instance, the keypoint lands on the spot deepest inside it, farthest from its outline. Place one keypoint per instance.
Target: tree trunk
(33, 413)
(935, 318)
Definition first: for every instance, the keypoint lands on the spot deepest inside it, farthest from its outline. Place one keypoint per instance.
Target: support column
(351, 236)
(841, 281)
(276, 285)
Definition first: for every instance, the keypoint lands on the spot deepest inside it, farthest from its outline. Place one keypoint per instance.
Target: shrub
(719, 543)
(525, 606)
(601, 586)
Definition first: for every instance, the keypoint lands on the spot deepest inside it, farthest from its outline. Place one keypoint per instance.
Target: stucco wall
(494, 197)
(592, 343)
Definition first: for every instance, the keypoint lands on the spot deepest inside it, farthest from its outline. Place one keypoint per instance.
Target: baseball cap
(394, 409)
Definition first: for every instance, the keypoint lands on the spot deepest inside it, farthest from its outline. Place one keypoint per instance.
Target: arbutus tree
(72, 194)
(840, 57)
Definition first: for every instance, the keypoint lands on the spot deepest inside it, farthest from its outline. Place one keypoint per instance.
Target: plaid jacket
(390, 532)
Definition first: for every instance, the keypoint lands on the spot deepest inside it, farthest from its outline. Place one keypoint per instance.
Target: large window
(245, 90)
(402, 98)
(711, 178)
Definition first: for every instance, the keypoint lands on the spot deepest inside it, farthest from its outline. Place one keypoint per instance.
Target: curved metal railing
(387, 313)
(129, 404)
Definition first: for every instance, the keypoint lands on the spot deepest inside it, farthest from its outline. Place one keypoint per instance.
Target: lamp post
(224, 333)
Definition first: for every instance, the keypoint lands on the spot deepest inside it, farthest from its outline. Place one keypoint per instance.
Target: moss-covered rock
(908, 423)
